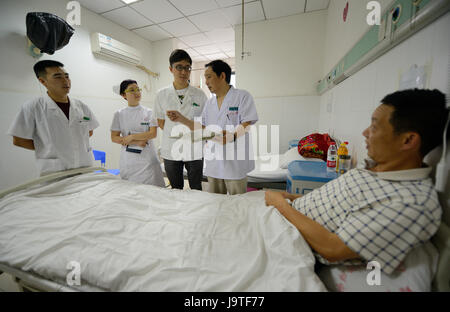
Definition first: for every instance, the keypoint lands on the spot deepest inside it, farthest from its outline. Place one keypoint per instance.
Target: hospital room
(222, 146)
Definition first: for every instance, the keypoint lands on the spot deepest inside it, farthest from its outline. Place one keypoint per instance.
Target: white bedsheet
(130, 237)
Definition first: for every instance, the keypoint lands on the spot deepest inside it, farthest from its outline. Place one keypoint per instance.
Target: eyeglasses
(180, 68)
(132, 90)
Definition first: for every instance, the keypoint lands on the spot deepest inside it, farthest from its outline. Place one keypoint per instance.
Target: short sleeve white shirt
(60, 144)
(191, 107)
(231, 161)
(132, 120)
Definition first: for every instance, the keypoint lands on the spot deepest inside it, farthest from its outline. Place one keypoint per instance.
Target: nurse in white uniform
(134, 127)
(229, 157)
(55, 127)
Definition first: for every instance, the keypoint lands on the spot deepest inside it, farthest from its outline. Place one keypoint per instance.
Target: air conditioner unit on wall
(107, 46)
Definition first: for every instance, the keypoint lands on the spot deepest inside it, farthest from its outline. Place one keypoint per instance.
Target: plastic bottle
(332, 157)
(342, 151)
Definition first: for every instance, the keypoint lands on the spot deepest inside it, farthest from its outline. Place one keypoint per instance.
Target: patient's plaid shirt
(379, 215)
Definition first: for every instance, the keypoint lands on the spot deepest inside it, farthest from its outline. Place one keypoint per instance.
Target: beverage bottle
(342, 151)
(332, 157)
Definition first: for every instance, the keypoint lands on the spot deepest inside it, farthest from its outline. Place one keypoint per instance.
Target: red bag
(315, 146)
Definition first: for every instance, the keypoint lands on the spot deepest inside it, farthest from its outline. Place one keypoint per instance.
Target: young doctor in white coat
(134, 127)
(231, 111)
(55, 127)
(190, 101)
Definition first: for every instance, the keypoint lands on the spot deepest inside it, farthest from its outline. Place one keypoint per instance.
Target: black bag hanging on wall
(48, 32)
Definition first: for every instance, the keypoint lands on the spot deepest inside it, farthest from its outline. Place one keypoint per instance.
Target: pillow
(414, 274)
(292, 155)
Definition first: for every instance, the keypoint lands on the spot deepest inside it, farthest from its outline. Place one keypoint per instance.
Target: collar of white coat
(230, 91)
(187, 90)
(404, 175)
(51, 103)
(133, 107)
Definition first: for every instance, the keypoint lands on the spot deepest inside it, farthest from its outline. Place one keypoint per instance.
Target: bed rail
(441, 240)
(37, 283)
(50, 177)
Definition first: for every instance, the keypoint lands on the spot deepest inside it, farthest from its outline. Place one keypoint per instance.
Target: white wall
(92, 79)
(198, 74)
(354, 100)
(286, 55)
(296, 117)
(340, 35)
(286, 62)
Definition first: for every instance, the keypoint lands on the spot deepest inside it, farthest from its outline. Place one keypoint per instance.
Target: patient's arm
(25, 143)
(327, 244)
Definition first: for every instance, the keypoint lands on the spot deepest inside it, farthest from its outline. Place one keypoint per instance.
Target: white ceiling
(205, 28)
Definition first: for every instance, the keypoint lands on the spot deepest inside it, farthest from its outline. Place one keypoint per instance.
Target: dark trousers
(174, 172)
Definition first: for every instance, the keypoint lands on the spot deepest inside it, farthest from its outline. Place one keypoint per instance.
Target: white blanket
(130, 237)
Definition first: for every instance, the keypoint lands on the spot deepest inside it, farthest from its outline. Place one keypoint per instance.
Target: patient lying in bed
(382, 212)
(133, 237)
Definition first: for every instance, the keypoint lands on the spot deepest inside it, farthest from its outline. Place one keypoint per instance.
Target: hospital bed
(130, 237)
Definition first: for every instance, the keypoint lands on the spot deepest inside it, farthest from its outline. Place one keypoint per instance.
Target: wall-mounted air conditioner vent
(107, 46)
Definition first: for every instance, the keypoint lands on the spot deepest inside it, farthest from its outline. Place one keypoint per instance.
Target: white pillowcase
(415, 274)
(292, 155)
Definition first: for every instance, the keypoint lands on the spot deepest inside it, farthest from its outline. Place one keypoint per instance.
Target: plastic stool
(99, 155)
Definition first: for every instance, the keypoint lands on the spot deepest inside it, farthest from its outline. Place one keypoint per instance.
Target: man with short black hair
(384, 211)
(228, 157)
(55, 127)
(183, 97)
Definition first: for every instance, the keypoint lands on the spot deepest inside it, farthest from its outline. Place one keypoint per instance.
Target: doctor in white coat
(134, 127)
(190, 101)
(55, 127)
(228, 157)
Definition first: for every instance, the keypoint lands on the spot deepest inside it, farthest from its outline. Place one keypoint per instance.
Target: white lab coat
(238, 107)
(192, 108)
(144, 167)
(60, 144)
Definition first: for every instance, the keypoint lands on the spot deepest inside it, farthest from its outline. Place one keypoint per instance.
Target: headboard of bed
(442, 238)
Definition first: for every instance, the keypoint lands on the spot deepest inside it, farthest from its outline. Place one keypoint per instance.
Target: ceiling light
(129, 1)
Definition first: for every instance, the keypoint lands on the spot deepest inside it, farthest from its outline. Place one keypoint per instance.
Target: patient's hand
(275, 199)
(290, 196)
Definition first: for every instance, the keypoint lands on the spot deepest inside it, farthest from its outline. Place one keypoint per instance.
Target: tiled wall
(353, 101)
(297, 116)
